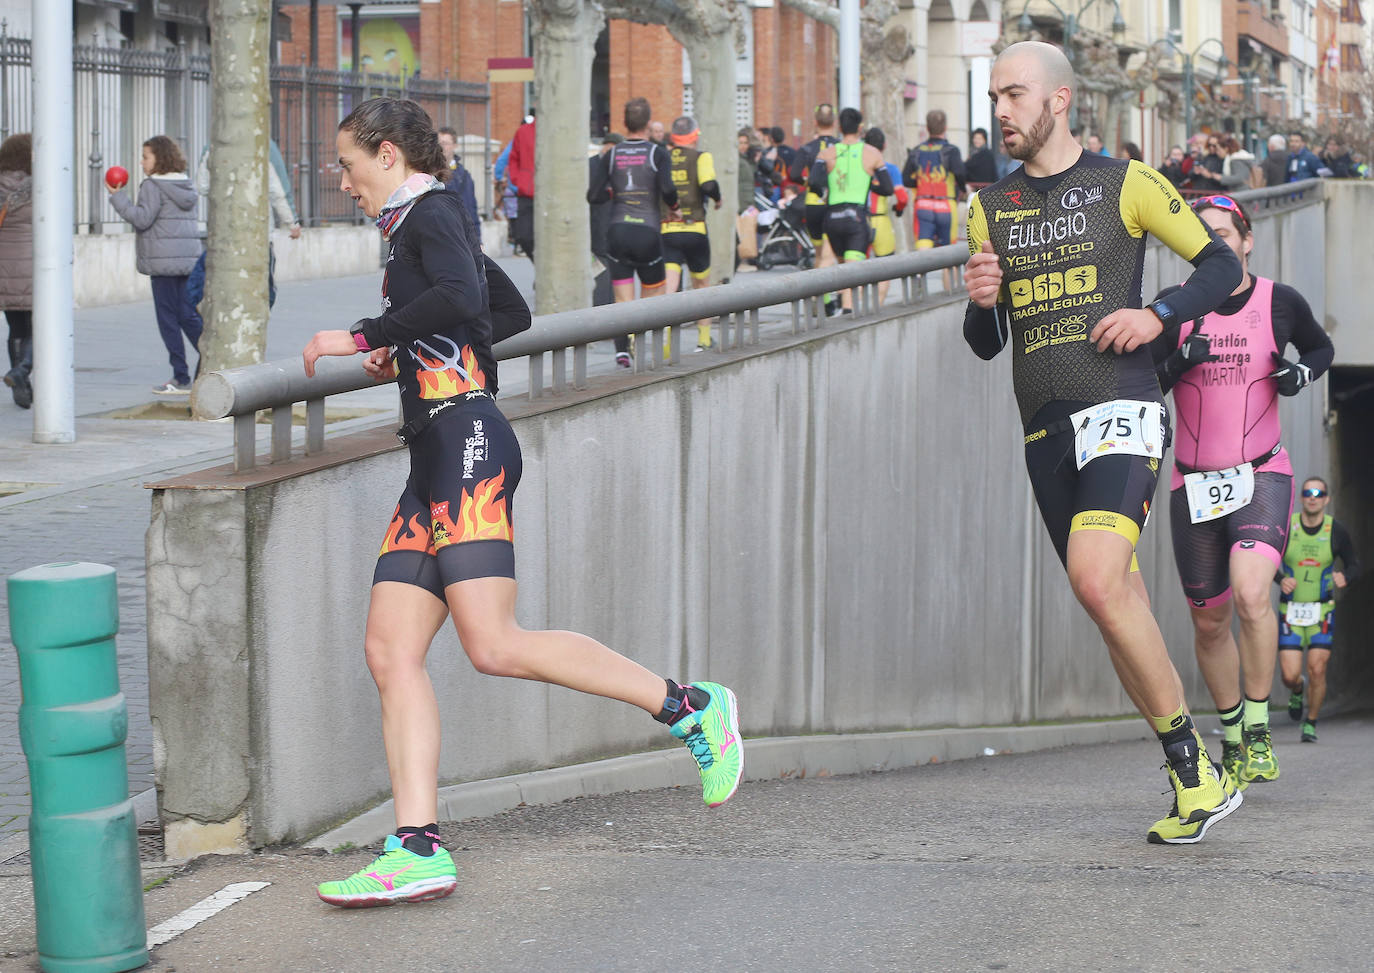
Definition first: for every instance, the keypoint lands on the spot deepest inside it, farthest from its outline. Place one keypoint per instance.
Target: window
(1175, 16)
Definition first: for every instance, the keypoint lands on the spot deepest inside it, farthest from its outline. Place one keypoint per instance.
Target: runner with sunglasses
(1058, 250)
(1308, 582)
(1232, 482)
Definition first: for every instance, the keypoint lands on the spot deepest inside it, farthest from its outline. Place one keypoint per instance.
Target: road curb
(773, 758)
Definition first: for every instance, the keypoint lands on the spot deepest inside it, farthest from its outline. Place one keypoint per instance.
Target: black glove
(1196, 349)
(1291, 376)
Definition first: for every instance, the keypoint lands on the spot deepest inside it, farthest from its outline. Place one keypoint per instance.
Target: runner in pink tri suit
(1232, 483)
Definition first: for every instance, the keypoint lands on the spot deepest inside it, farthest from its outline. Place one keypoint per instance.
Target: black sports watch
(1164, 312)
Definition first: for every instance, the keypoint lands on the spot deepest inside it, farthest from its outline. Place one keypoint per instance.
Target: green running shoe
(1257, 761)
(1309, 731)
(397, 875)
(1295, 701)
(1174, 830)
(1230, 760)
(712, 734)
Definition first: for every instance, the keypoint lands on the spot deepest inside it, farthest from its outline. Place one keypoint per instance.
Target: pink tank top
(1227, 412)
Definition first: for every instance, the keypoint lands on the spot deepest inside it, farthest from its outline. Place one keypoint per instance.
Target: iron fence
(124, 95)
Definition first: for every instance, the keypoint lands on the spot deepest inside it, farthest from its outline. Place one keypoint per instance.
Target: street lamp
(1025, 24)
(1188, 82)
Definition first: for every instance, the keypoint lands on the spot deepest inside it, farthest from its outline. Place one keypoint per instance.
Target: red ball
(116, 177)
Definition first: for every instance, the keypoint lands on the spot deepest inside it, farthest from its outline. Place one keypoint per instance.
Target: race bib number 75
(1121, 426)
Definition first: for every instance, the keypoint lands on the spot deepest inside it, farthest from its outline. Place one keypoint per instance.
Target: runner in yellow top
(684, 229)
(1058, 250)
(845, 172)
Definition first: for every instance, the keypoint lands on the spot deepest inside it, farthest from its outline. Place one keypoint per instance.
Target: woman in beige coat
(16, 261)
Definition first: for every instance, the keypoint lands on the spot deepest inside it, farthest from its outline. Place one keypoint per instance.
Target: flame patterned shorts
(453, 521)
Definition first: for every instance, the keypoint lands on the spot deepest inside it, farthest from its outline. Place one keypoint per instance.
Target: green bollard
(83, 839)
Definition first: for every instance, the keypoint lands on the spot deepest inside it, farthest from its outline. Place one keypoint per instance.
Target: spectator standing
(1206, 174)
(1093, 143)
(982, 164)
(167, 247)
(1275, 164)
(1132, 151)
(1176, 167)
(1237, 164)
(16, 261)
(748, 167)
(656, 133)
(459, 179)
(779, 154)
(1338, 159)
(1302, 161)
(520, 171)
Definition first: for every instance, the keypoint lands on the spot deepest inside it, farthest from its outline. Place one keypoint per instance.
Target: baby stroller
(785, 240)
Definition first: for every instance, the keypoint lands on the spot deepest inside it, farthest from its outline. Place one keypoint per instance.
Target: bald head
(1044, 62)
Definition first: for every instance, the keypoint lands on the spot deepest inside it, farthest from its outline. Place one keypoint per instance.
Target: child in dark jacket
(167, 248)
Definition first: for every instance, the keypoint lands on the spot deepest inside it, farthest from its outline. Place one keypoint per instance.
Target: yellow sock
(1168, 724)
(1256, 712)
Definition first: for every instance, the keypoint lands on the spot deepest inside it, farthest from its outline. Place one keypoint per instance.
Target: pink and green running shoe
(397, 875)
(712, 734)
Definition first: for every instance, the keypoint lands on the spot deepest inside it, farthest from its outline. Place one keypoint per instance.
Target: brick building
(788, 66)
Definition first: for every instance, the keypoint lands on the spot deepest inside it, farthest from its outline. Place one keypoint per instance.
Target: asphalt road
(1017, 862)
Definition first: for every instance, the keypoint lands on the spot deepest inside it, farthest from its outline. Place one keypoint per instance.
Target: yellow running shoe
(1174, 830)
(1258, 761)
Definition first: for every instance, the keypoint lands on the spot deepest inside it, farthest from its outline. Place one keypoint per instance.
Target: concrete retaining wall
(838, 526)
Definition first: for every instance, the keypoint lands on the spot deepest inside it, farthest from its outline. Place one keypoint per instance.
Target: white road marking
(211, 905)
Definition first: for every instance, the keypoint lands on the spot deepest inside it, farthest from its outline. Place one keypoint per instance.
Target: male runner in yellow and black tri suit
(684, 229)
(1058, 250)
(799, 172)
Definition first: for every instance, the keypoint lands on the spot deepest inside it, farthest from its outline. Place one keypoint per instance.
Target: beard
(1034, 140)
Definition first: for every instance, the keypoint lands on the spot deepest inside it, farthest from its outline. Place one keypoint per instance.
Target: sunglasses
(1222, 202)
(1313, 492)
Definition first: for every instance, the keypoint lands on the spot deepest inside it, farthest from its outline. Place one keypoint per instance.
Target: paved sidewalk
(86, 501)
(1024, 862)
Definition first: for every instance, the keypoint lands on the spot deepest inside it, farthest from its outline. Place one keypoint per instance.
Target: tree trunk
(713, 105)
(565, 34)
(882, 84)
(236, 265)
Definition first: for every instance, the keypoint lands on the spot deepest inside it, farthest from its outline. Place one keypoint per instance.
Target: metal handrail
(277, 385)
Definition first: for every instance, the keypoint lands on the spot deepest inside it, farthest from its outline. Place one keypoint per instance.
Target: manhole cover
(150, 849)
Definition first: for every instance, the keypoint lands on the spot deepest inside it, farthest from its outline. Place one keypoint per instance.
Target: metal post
(83, 836)
(355, 28)
(314, 33)
(54, 217)
(184, 60)
(95, 160)
(487, 164)
(1187, 97)
(849, 54)
(305, 207)
(4, 79)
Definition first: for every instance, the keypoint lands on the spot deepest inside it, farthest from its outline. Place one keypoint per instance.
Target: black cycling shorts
(1111, 492)
(848, 230)
(453, 521)
(1203, 551)
(684, 248)
(815, 222)
(634, 248)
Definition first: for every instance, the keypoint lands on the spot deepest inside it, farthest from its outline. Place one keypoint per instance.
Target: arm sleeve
(666, 190)
(276, 195)
(455, 291)
(143, 213)
(956, 166)
(1342, 548)
(706, 176)
(599, 189)
(498, 171)
(986, 330)
(1150, 204)
(882, 181)
(819, 180)
(510, 315)
(1170, 365)
(909, 170)
(1313, 344)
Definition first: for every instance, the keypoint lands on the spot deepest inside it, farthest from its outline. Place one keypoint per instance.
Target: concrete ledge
(822, 755)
